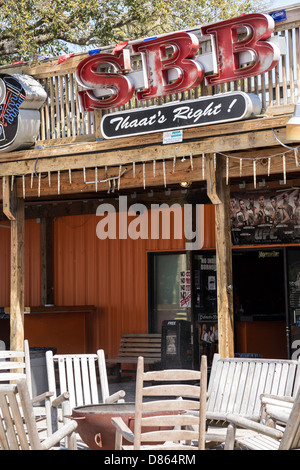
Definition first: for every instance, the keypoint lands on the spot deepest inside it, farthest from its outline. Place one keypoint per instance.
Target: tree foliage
(32, 27)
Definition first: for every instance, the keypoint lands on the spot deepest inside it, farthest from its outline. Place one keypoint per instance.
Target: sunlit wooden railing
(62, 120)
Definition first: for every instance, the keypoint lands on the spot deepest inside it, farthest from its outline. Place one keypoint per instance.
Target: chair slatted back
(15, 365)
(236, 384)
(173, 393)
(78, 374)
(18, 430)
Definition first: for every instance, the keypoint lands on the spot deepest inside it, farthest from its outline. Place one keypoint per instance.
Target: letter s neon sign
(90, 77)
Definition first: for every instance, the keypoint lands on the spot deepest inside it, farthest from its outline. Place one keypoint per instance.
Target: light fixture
(185, 184)
(293, 125)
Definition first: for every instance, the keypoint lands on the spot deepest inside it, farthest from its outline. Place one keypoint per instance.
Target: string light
(23, 184)
(296, 156)
(116, 179)
(119, 178)
(58, 182)
(144, 175)
(227, 170)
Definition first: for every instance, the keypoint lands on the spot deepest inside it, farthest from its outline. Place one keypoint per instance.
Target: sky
(280, 4)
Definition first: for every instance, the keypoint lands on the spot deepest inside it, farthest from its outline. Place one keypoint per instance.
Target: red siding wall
(110, 274)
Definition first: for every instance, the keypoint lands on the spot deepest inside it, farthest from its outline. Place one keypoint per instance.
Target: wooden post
(17, 278)
(219, 193)
(47, 261)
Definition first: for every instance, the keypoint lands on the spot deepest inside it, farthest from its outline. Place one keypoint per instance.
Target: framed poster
(265, 217)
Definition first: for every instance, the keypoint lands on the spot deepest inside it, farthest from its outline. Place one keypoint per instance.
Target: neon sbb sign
(234, 56)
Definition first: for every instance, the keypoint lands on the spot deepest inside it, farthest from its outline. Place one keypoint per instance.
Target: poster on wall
(185, 289)
(205, 279)
(269, 217)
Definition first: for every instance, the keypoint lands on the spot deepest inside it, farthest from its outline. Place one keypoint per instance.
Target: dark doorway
(259, 285)
(260, 302)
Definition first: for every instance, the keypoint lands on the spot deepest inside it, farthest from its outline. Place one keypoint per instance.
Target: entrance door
(170, 289)
(293, 275)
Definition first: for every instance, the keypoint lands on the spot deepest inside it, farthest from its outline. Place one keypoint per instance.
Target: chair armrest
(277, 413)
(123, 429)
(42, 397)
(56, 437)
(265, 397)
(60, 399)
(254, 426)
(115, 396)
(276, 408)
(286, 402)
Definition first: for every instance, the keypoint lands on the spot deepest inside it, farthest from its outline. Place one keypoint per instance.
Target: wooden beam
(47, 282)
(17, 278)
(92, 154)
(213, 185)
(220, 196)
(9, 199)
(164, 175)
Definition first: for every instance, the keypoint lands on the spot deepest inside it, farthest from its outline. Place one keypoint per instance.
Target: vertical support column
(47, 294)
(219, 193)
(17, 278)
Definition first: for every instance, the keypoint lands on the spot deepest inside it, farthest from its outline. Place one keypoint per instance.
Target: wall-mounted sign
(240, 47)
(20, 100)
(200, 112)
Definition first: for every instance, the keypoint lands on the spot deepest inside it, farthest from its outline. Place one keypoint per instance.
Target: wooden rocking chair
(168, 408)
(76, 376)
(264, 437)
(18, 427)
